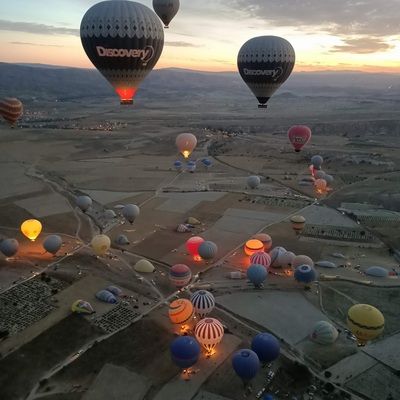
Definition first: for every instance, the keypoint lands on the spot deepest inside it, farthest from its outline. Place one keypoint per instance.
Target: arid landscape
(75, 139)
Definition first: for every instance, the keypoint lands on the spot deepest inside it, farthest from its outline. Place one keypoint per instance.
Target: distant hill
(36, 81)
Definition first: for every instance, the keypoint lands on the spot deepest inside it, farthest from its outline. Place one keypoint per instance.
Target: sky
(207, 34)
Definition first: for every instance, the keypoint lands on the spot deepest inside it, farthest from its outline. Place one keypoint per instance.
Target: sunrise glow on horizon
(207, 35)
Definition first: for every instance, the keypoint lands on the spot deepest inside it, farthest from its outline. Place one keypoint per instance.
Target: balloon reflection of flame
(186, 153)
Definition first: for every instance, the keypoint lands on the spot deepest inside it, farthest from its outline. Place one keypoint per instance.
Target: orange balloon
(31, 228)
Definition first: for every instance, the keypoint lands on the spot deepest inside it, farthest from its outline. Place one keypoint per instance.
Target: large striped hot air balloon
(203, 302)
(181, 311)
(261, 258)
(11, 109)
(209, 332)
(180, 275)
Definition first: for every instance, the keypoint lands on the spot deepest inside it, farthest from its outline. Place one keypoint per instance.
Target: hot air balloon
(180, 275)
(261, 258)
(31, 228)
(84, 202)
(320, 185)
(144, 266)
(123, 40)
(208, 250)
(9, 247)
(301, 260)
(166, 10)
(324, 333)
(178, 165)
(82, 307)
(203, 302)
(185, 351)
(253, 246)
(186, 143)
(256, 274)
(266, 346)
(298, 222)
(100, 244)
(106, 297)
(265, 239)
(206, 162)
(192, 246)
(253, 181)
(115, 290)
(264, 63)
(246, 364)
(316, 161)
(299, 136)
(319, 174)
(110, 214)
(365, 322)
(11, 109)
(209, 332)
(286, 259)
(329, 178)
(377, 272)
(276, 253)
(52, 244)
(130, 212)
(122, 240)
(181, 311)
(305, 274)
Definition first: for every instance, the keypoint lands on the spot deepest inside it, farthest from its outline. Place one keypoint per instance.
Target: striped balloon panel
(10, 109)
(209, 333)
(261, 258)
(180, 311)
(203, 302)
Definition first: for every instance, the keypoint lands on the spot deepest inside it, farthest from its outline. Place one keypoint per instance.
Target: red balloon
(299, 135)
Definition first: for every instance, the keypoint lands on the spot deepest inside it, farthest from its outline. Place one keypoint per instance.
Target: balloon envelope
(11, 109)
(209, 332)
(203, 302)
(265, 239)
(324, 333)
(317, 161)
(299, 136)
(100, 244)
(302, 259)
(305, 274)
(115, 290)
(261, 258)
(106, 296)
(185, 351)
(276, 253)
(264, 63)
(84, 202)
(82, 307)
(246, 364)
(180, 275)
(181, 311)
(186, 143)
(166, 10)
(266, 346)
(52, 244)
(144, 266)
(192, 246)
(253, 181)
(208, 250)
(31, 228)
(124, 40)
(256, 274)
(130, 212)
(9, 247)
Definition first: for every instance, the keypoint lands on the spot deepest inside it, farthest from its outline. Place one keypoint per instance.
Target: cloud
(363, 45)
(35, 44)
(181, 44)
(33, 27)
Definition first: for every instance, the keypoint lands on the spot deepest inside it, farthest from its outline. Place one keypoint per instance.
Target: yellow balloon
(365, 322)
(31, 228)
(100, 244)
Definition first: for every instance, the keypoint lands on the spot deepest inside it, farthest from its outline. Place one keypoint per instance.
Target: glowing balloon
(298, 222)
(209, 332)
(180, 275)
(181, 311)
(166, 10)
(52, 244)
(264, 63)
(365, 322)
(253, 246)
(186, 143)
(299, 136)
(100, 244)
(203, 302)
(192, 246)
(9, 247)
(11, 109)
(31, 228)
(320, 185)
(124, 40)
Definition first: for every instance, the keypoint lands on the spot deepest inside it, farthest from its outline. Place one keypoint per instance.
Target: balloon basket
(262, 106)
(126, 102)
